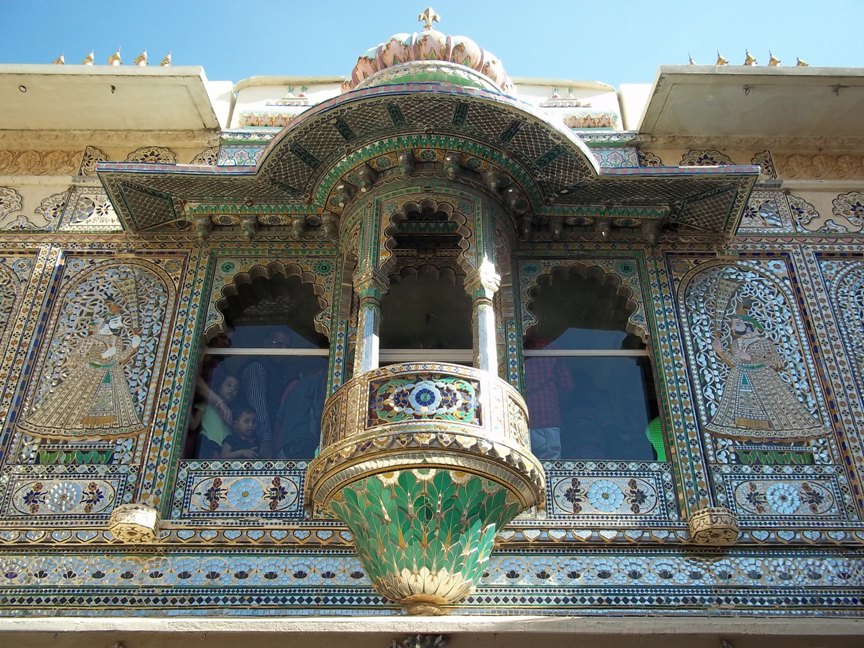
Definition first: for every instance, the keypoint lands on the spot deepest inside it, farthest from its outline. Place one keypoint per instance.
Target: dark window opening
(262, 383)
(588, 381)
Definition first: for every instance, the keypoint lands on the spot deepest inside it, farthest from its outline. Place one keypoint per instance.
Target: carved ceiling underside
(538, 170)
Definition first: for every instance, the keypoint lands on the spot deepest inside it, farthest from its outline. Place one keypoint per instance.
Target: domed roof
(429, 56)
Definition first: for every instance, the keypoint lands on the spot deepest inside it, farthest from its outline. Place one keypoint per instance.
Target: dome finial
(428, 17)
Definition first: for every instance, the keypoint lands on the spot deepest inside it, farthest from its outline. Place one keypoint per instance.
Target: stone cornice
(64, 139)
(790, 144)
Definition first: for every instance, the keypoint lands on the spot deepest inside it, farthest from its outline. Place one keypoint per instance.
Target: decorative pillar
(482, 284)
(369, 286)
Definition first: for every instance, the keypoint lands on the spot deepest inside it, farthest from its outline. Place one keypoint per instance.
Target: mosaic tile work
(14, 273)
(767, 212)
(89, 210)
(704, 158)
(769, 496)
(849, 212)
(239, 491)
(749, 354)
(424, 536)
(628, 580)
(616, 157)
(239, 154)
(444, 398)
(69, 494)
(93, 378)
(604, 492)
(845, 282)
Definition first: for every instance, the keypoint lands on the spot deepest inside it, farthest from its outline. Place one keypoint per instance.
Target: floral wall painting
(753, 370)
(94, 376)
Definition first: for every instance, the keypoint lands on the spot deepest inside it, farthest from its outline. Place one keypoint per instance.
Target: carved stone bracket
(484, 282)
(713, 526)
(370, 284)
(135, 523)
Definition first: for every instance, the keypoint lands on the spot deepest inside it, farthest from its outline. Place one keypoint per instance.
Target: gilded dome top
(429, 56)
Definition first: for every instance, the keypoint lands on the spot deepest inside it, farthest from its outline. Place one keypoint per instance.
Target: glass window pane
(590, 407)
(426, 312)
(268, 336)
(257, 407)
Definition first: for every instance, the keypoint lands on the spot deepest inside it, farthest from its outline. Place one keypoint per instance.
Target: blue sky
(615, 42)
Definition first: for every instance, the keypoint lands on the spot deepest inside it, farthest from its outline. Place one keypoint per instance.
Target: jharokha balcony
(425, 462)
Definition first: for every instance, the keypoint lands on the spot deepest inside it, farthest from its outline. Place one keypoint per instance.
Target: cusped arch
(216, 324)
(467, 258)
(625, 281)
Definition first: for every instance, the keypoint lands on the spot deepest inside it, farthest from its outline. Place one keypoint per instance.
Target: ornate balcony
(425, 462)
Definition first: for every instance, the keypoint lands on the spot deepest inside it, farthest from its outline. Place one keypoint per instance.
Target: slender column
(482, 284)
(369, 286)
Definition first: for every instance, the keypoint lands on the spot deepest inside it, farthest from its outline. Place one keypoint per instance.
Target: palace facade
(287, 359)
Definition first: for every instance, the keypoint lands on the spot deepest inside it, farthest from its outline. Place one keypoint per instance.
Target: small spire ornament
(166, 62)
(115, 59)
(690, 60)
(773, 61)
(141, 59)
(428, 17)
(801, 63)
(89, 59)
(59, 60)
(720, 59)
(749, 59)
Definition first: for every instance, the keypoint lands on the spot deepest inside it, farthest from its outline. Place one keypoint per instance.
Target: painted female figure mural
(756, 403)
(94, 399)
(98, 363)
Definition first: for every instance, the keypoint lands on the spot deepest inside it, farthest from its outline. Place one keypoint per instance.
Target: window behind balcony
(588, 381)
(262, 382)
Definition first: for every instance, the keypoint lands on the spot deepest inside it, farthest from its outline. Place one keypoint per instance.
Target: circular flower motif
(245, 494)
(783, 498)
(605, 496)
(425, 397)
(63, 497)
(626, 268)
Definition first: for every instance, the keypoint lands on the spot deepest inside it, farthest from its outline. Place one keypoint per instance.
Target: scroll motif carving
(30, 162)
(822, 165)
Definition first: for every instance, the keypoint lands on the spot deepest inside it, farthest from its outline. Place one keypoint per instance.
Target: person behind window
(242, 443)
(263, 380)
(298, 428)
(546, 380)
(210, 416)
